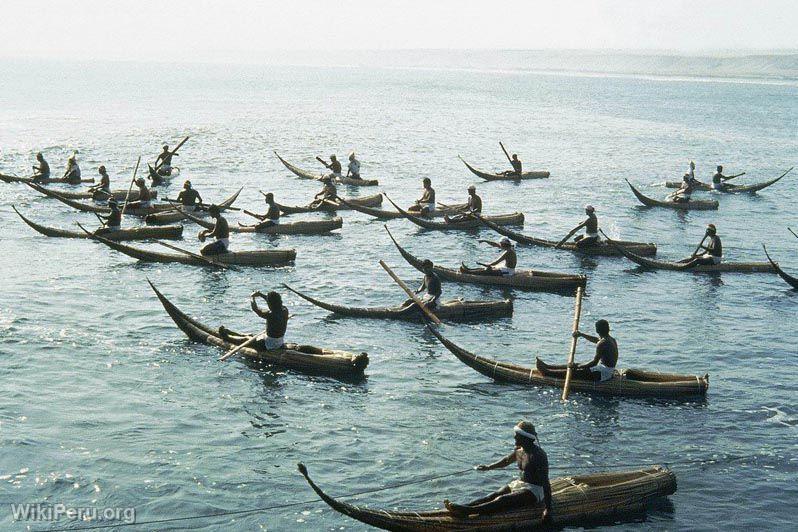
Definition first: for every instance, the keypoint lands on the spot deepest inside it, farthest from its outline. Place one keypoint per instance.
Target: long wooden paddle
(157, 166)
(577, 314)
(190, 254)
(99, 218)
(322, 161)
(793, 232)
(569, 235)
(733, 176)
(699, 246)
(132, 182)
(204, 206)
(410, 293)
(505, 152)
(241, 346)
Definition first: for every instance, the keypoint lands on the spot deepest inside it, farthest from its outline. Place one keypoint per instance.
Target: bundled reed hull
(601, 248)
(515, 218)
(454, 310)
(789, 279)
(270, 257)
(304, 174)
(729, 188)
(523, 279)
(576, 500)
(392, 215)
(731, 267)
(133, 233)
(374, 200)
(695, 205)
(172, 215)
(631, 383)
(487, 176)
(118, 195)
(48, 181)
(328, 362)
(305, 227)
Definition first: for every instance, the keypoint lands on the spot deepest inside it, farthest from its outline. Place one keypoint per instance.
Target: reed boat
(600, 248)
(374, 200)
(270, 257)
(789, 279)
(626, 383)
(304, 227)
(515, 218)
(392, 215)
(143, 212)
(487, 176)
(118, 195)
(731, 267)
(47, 181)
(172, 215)
(453, 310)
(534, 280)
(304, 174)
(696, 205)
(729, 188)
(575, 500)
(304, 359)
(131, 233)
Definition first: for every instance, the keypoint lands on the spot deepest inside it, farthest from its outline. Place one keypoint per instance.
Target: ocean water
(105, 402)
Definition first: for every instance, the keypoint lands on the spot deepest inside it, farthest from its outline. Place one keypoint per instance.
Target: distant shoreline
(733, 66)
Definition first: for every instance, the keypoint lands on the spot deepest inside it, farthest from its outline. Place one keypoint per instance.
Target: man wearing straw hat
(532, 488)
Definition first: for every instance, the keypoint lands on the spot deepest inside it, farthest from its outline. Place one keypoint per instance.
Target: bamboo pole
(577, 313)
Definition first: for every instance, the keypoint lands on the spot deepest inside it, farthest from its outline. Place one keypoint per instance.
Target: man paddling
(353, 170)
(104, 186)
(276, 319)
(590, 224)
(602, 367)
(220, 231)
(272, 216)
(328, 192)
(474, 204)
(685, 191)
(165, 160)
(189, 197)
(718, 179)
(532, 488)
(42, 171)
(712, 250)
(431, 285)
(426, 204)
(516, 171)
(113, 221)
(334, 166)
(145, 196)
(276, 322)
(504, 265)
(72, 172)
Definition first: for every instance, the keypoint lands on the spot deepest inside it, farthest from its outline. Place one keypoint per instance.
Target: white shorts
(273, 343)
(519, 485)
(715, 260)
(507, 272)
(606, 373)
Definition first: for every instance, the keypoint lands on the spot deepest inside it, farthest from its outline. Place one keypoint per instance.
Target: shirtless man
(220, 231)
(425, 204)
(474, 205)
(602, 367)
(189, 197)
(531, 489)
(504, 265)
(43, 170)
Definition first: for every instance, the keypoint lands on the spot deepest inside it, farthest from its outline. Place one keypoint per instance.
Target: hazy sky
(202, 29)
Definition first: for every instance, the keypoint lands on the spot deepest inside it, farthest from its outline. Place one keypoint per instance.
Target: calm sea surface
(104, 402)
